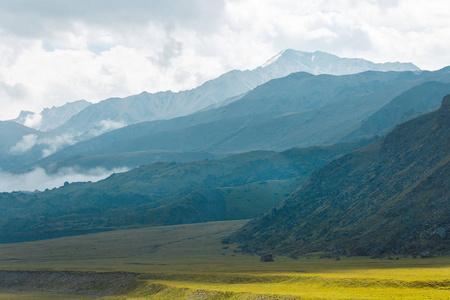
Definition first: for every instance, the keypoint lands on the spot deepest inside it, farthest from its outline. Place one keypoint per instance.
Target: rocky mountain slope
(389, 197)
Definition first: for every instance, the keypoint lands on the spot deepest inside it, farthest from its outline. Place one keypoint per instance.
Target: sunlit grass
(310, 290)
(190, 262)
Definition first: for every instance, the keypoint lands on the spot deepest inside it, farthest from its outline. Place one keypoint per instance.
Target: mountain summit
(318, 62)
(389, 197)
(167, 105)
(50, 118)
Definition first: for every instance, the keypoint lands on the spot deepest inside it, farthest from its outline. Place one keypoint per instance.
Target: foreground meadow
(190, 262)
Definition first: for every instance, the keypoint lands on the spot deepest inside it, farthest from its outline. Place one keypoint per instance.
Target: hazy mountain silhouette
(299, 110)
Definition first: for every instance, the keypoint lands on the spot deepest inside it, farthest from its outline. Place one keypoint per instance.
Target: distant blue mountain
(81, 120)
(295, 111)
(50, 118)
(167, 105)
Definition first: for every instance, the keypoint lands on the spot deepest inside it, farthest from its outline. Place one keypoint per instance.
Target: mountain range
(389, 197)
(168, 105)
(298, 110)
(62, 127)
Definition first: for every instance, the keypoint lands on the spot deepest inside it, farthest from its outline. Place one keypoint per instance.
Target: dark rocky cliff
(390, 197)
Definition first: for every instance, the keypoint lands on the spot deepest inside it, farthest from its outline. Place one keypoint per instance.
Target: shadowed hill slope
(238, 187)
(415, 102)
(390, 197)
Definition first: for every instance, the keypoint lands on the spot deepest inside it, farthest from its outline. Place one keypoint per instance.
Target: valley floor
(190, 262)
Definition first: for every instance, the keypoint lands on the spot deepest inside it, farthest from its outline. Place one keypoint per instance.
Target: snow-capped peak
(273, 59)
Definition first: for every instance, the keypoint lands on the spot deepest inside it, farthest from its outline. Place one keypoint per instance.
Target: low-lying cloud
(105, 126)
(49, 145)
(56, 143)
(52, 144)
(25, 144)
(39, 179)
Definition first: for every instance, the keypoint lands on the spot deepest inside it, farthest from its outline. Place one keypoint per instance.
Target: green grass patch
(190, 262)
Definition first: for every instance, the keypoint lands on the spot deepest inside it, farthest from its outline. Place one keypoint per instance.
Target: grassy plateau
(190, 262)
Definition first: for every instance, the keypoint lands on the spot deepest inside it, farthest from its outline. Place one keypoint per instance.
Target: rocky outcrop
(266, 258)
(86, 283)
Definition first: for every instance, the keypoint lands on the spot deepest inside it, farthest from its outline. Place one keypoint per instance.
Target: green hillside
(238, 187)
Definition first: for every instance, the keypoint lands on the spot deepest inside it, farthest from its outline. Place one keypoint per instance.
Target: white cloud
(25, 144)
(49, 144)
(53, 144)
(50, 54)
(38, 179)
(33, 120)
(105, 126)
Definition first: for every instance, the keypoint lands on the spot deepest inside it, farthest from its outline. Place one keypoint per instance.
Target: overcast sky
(55, 51)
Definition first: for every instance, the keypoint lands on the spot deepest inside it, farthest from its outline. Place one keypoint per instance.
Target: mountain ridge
(298, 110)
(50, 118)
(319, 62)
(166, 105)
(426, 97)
